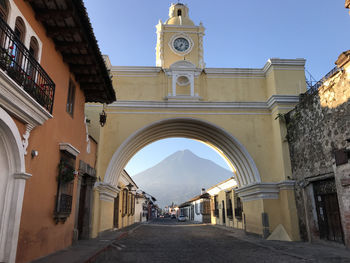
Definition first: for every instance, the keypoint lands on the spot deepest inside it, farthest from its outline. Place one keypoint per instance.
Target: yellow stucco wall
(242, 102)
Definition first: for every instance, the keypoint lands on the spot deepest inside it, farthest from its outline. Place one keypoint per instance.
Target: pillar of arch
(246, 172)
(12, 185)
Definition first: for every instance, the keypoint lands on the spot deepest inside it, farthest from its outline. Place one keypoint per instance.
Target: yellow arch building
(231, 109)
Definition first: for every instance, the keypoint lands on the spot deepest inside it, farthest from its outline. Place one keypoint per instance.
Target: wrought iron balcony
(22, 67)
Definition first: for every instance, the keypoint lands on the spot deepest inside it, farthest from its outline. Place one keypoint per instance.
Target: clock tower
(179, 39)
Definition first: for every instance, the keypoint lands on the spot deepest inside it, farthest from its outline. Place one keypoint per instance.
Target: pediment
(182, 64)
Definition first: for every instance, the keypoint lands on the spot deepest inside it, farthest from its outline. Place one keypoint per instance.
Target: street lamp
(103, 118)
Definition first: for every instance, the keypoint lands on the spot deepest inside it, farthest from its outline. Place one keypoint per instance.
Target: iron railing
(313, 86)
(21, 66)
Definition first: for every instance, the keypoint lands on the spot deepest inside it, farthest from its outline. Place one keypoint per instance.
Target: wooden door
(328, 214)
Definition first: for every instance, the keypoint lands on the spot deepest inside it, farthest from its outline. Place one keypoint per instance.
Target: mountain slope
(180, 177)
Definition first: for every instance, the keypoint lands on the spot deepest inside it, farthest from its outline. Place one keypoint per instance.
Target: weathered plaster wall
(318, 126)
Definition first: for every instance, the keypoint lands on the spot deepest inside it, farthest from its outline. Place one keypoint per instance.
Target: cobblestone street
(166, 240)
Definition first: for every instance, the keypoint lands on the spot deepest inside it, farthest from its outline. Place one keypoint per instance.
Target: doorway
(327, 208)
(85, 206)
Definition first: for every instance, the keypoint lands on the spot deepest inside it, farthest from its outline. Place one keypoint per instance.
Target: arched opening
(231, 148)
(17, 47)
(34, 51)
(12, 184)
(20, 29)
(179, 12)
(173, 171)
(4, 10)
(34, 47)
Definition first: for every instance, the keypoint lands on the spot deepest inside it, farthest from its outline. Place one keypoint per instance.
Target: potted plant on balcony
(5, 57)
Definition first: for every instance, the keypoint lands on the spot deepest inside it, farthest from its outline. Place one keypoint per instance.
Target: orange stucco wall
(39, 235)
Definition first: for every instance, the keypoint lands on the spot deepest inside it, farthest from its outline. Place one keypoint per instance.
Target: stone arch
(245, 169)
(12, 184)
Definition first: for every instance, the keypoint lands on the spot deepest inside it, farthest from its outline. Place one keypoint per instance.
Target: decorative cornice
(69, 148)
(183, 98)
(193, 103)
(275, 63)
(135, 69)
(107, 191)
(275, 100)
(259, 191)
(286, 185)
(343, 59)
(24, 176)
(19, 103)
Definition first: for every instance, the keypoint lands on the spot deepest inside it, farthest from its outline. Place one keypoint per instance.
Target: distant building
(141, 209)
(227, 208)
(197, 209)
(124, 203)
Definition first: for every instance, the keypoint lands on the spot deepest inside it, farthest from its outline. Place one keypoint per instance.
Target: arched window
(17, 53)
(4, 9)
(34, 51)
(34, 47)
(20, 29)
(179, 12)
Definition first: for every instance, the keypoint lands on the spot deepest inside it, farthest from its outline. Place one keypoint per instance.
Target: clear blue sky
(238, 34)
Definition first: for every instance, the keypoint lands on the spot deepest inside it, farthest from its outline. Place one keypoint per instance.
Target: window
(17, 51)
(125, 202)
(216, 206)
(20, 29)
(70, 98)
(34, 47)
(129, 203)
(33, 50)
(65, 180)
(197, 208)
(4, 9)
(229, 205)
(238, 207)
(179, 12)
(132, 204)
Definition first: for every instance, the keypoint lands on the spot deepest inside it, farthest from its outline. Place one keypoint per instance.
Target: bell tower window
(179, 12)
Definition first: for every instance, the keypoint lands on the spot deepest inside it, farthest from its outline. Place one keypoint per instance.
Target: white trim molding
(13, 179)
(107, 192)
(69, 148)
(263, 190)
(241, 162)
(272, 63)
(194, 103)
(19, 103)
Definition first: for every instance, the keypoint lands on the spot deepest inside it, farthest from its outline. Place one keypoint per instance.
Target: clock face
(181, 44)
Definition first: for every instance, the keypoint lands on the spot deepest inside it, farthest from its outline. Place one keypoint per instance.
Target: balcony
(22, 67)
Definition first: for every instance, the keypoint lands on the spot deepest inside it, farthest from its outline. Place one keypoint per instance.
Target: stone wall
(317, 127)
